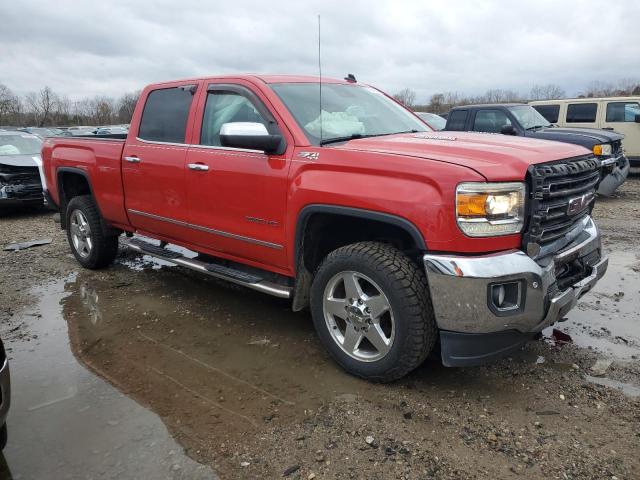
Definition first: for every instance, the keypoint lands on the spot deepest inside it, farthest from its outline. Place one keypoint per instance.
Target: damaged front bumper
(619, 167)
(488, 306)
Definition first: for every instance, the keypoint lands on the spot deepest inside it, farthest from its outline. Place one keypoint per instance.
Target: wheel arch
(382, 218)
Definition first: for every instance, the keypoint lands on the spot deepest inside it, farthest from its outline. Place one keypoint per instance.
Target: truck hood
(494, 156)
(20, 160)
(587, 137)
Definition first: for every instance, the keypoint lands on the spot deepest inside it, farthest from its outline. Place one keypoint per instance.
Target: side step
(219, 271)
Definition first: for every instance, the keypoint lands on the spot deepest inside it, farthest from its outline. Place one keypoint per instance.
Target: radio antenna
(320, 75)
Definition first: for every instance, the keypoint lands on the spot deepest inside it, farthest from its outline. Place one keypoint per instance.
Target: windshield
(529, 117)
(347, 111)
(434, 121)
(20, 144)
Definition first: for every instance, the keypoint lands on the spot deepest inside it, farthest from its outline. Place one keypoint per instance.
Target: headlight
(603, 149)
(490, 209)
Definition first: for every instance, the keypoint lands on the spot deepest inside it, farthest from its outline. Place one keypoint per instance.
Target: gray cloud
(82, 48)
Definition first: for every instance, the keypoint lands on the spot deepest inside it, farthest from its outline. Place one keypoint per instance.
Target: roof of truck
(266, 78)
(488, 105)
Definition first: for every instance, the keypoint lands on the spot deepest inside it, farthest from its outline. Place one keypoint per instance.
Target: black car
(525, 121)
(20, 169)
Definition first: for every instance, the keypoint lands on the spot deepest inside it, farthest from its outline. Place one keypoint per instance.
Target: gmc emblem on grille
(578, 204)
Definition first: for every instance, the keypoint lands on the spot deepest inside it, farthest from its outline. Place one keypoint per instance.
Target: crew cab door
(237, 197)
(153, 162)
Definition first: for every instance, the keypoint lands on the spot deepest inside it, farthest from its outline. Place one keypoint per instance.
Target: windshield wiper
(354, 136)
(537, 126)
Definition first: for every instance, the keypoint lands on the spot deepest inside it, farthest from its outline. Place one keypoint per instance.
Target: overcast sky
(87, 48)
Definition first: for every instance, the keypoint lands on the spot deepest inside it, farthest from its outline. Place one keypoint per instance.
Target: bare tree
(126, 105)
(406, 96)
(10, 106)
(598, 88)
(41, 105)
(547, 92)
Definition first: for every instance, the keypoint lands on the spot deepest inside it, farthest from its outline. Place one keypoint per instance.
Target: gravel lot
(242, 385)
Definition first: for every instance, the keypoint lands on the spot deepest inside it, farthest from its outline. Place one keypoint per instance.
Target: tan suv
(621, 114)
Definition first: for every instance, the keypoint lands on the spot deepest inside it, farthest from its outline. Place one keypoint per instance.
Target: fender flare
(62, 197)
(307, 211)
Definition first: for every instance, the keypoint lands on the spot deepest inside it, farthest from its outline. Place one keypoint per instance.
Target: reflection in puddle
(626, 388)
(215, 362)
(65, 422)
(608, 317)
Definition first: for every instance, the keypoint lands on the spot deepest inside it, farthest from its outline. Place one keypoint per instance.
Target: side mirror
(508, 130)
(249, 135)
(637, 119)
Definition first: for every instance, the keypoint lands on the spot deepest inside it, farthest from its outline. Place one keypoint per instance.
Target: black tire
(3, 436)
(405, 286)
(104, 248)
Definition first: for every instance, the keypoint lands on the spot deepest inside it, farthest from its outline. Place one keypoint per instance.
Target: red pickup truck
(396, 237)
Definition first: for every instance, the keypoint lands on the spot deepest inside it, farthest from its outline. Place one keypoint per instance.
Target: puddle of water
(65, 422)
(626, 388)
(608, 317)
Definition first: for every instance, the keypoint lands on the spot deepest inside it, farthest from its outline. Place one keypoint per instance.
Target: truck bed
(96, 157)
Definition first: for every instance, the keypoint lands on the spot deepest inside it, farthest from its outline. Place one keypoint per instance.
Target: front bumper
(5, 391)
(461, 293)
(26, 194)
(616, 177)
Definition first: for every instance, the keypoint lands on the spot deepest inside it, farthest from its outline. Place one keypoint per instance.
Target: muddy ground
(148, 371)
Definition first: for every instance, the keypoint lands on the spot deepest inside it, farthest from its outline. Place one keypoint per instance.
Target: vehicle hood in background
(587, 137)
(20, 160)
(496, 157)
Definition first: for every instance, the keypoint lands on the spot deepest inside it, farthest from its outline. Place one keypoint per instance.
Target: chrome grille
(561, 194)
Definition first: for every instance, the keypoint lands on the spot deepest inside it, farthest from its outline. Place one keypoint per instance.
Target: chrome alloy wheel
(81, 234)
(358, 316)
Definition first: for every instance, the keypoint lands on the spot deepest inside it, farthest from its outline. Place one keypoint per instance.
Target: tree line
(47, 108)
(443, 102)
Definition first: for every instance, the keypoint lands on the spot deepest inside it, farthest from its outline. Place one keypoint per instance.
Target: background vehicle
(621, 114)
(43, 132)
(523, 120)
(434, 121)
(346, 209)
(5, 395)
(20, 169)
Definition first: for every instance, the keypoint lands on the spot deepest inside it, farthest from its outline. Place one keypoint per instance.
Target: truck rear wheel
(89, 244)
(372, 311)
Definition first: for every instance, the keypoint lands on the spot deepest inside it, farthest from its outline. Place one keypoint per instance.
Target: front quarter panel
(417, 190)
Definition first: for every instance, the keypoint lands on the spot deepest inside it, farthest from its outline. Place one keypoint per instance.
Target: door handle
(607, 128)
(132, 159)
(201, 167)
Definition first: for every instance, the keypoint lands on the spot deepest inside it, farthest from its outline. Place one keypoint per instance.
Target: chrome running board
(229, 274)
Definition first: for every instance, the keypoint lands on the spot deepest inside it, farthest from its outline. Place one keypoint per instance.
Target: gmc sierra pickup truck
(396, 237)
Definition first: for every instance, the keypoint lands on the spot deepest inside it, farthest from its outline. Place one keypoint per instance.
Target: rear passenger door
(457, 120)
(154, 159)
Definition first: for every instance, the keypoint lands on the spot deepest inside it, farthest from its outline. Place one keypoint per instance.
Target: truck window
(457, 120)
(581, 112)
(164, 118)
(549, 112)
(622, 111)
(490, 121)
(226, 107)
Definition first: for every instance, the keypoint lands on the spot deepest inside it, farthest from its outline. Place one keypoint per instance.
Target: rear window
(457, 120)
(549, 112)
(164, 118)
(622, 111)
(581, 112)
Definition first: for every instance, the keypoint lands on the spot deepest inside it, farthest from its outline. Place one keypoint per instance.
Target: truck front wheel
(89, 244)
(372, 311)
